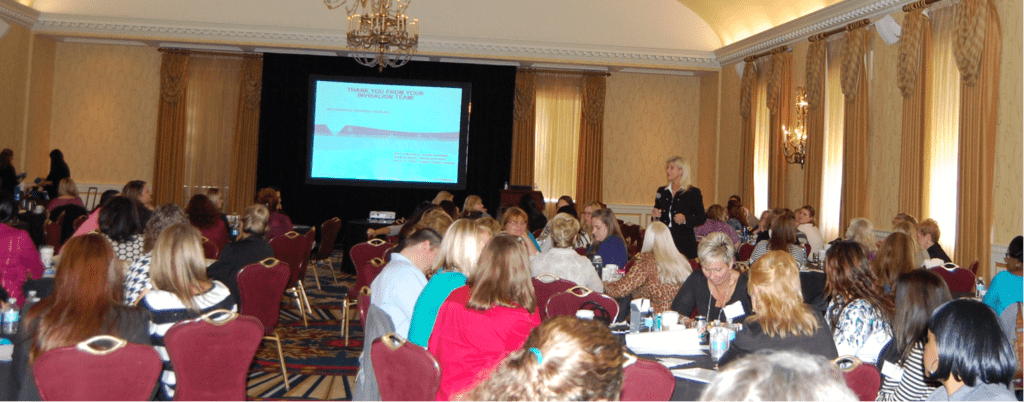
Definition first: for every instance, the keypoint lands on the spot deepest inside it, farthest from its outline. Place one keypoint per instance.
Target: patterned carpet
(320, 365)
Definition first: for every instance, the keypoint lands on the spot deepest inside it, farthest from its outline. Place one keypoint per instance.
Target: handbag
(600, 313)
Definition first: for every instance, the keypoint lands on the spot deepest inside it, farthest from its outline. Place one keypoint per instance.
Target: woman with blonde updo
(561, 260)
(862, 232)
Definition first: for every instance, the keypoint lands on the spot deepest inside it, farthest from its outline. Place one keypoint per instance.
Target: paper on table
(695, 374)
(673, 361)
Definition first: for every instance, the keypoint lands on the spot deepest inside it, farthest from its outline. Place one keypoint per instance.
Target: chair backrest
(633, 235)
(211, 357)
(807, 250)
(291, 248)
(366, 273)
(80, 221)
(210, 250)
(126, 371)
(646, 380)
(311, 241)
(545, 286)
(388, 251)
(974, 268)
(51, 230)
(746, 249)
(961, 282)
(405, 371)
(863, 378)
(364, 305)
(363, 252)
(581, 251)
(328, 234)
(260, 286)
(569, 301)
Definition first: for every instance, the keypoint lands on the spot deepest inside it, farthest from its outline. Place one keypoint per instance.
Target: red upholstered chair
(80, 220)
(51, 232)
(646, 380)
(363, 252)
(695, 264)
(746, 249)
(405, 371)
(348, 303)
(581, 251)
(567, 302)
(974, 268)
(864, 379)
(211, 356)
(545, 286)
(961, 282)
(311, 240)
(292, 248)
(388, 251)
(629, 265)
(364, 306)
(365, 275)
(328, 234)
(807, 250)
(261, 285)
(123, 372)
(210, 250)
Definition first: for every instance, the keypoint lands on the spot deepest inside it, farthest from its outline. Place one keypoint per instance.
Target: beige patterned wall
(40, 111)
(648, 118)
(14, 51)
(105, 110)
(729, 153)
(886, 133)
(708, 144)
(1008, 169)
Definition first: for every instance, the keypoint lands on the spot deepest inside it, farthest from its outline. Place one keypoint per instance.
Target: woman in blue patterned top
(860, 312)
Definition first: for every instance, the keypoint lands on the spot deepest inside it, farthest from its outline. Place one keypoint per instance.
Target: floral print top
(860, 330)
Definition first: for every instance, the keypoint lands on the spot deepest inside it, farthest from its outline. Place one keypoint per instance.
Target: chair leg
(298, 301)
(305, 299)
(280, 355)
(348, 310)
(331, 266)
(316, 275)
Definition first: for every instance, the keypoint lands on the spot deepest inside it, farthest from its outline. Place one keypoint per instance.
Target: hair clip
(540, 357)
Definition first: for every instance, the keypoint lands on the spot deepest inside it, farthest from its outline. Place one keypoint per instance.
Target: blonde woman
(181, 291)
(928, 237)
(68, 196)
(680, 206)
(716, 285)
(561, 260)
(474, 207)
(442, 196)
(910, 229)
(460, 250)
(863, 232)
(782, 320)
(657, 274)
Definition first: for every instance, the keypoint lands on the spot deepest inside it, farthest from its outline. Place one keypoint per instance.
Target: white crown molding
(801, 28)
(18, 13)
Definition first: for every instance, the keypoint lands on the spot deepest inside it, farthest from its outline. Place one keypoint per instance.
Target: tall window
(210, 121)
(942, 140)
(557, 134)
(762, 130)
(832, 172)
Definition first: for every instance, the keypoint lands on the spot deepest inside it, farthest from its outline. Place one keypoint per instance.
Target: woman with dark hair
(737, 215)
(8, 176)
(969, 354)
(860, 312)
(680, 206)
(608, 242)
(205, 216)
(92, 222)
(58, 171)
(278, 223)
(119, 222)
(137, 279)
(140, 192)
(918, 294)
(20, 256)
(716, 223)
(482, 322)
(783, 238)
(1008, 287)
(537, 220)
(86, 301)
(251, 247)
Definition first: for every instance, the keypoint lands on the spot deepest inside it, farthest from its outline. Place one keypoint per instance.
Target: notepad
(695, 374)
(673, 361)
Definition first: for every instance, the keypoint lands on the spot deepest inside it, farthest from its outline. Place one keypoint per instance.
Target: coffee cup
(669, 320)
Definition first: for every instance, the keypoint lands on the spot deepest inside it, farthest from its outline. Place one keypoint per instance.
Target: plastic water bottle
(598, 264)
(981, 288)
(11, 316)
(648, 321)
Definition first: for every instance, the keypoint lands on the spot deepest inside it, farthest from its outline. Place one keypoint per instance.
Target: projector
(382, 217)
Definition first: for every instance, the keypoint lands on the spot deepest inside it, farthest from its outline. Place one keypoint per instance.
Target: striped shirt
(168, 310)
(907, 382)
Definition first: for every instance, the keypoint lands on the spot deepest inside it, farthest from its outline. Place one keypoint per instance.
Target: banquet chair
(364, 305)
(863, 378)
(974, 268)
(365, 275)
(746, 249)
(646, 380)
(569, 301)
(328, 234)
(80, 221)
(51, 232)
(124, 371)
(547, 285)
(210, 250)
(346, 306)
(388, 251)
(261, 285)
(961, 282)
(581, 251)
(311, 238)
(292, 248)
(405, 371)
(365, 251)
(211, 356)
(629, 265)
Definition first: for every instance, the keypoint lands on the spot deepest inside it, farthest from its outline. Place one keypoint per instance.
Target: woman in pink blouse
(68, 196)
(19, 260)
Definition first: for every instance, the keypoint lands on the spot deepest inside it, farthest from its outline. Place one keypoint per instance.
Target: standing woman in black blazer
(680, 206)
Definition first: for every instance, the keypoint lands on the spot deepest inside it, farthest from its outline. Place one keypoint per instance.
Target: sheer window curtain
(210, 122)
(762, 123)
(832, 171)
(941, 150)
(557, 135)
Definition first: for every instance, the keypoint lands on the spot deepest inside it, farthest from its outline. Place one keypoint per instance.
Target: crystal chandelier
(794, 143)
(379, 32)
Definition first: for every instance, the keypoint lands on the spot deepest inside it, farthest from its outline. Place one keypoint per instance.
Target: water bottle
(598, 264)
(17, 194)
(981, 287)
(10, 316)
(648, 321)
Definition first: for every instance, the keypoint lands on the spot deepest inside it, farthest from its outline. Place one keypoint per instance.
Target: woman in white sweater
(561, 260)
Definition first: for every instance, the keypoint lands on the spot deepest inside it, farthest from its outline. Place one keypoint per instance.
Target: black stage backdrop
(283, 138)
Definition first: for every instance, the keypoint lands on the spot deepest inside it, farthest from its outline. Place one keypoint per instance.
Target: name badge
(892, 370)
(734, 310)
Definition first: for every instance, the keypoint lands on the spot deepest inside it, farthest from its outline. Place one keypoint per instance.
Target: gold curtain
(747, 104)
(523, 129)
(556, 135)
(913, 81)
(589, 173)
(816, 55)
(977, 47)
(211, 118)
(856, 128)
(780, 105)
(246, 138)
(169, 162)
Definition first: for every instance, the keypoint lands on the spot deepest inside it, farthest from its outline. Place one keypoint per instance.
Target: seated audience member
(805, 226)
(561, 260)
(918, 294)
(716, 223)
(534, 212)
(436, 219)
(515, 222)
(399, 285)
(92, 222)
(181, 291)
(442, 196)
(910, 229)
(737, 215)
(895, 257)
(564, 359)
(482, 322)
(782, 238)
(968, 353)
(903, 217)
(68, 195)
(860, 312)
(658, 272)
(779, 376)
(862, 232)
(716, 285)
(608, 242)
(250, 248)
(582, 238)
(492, 225)
(121, 225)
(782, 321)
(928, 237)
(764, 225)
(137, 279)
(139, 191)
(86, 302)
(204, 215)
(21, 260)
(457, 259)
(278, 223)
(1006, 287)
(474, 208)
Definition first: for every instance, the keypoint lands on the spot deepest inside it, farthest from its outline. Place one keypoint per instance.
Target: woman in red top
(481, 323)
(19, 260)
(279, 223)
(204, 215)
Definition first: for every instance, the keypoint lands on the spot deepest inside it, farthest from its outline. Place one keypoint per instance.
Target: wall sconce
(794, 142)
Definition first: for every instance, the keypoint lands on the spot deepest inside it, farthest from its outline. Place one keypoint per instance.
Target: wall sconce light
(794, 142)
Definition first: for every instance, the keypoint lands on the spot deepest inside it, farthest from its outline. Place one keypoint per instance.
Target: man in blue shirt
(398, 286)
